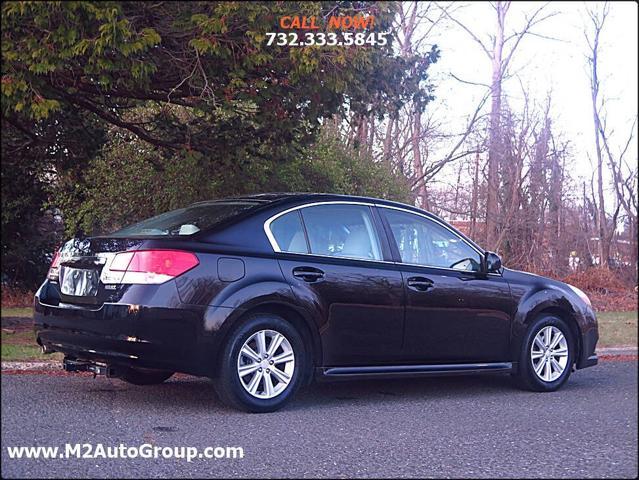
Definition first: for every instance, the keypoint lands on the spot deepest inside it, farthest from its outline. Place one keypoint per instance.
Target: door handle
(308, 274)
(421, 284)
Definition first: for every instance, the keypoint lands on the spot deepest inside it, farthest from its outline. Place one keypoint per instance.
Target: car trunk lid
(81, 265)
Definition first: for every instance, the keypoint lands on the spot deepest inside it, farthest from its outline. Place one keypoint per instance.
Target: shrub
(596, 280)
(16, 297)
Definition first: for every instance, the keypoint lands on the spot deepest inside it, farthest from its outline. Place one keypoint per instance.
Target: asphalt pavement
(429, 427)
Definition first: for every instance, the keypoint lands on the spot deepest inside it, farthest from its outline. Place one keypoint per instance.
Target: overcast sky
(545, 65)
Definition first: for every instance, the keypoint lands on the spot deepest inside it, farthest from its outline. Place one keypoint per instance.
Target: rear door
(455, 313)
(338, 264)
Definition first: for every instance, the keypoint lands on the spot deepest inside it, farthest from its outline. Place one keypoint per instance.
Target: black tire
(526, 378)
(228, 385)
(137, 376)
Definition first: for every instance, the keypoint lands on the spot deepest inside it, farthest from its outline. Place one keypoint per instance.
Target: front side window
(342, 231)
(423, 242)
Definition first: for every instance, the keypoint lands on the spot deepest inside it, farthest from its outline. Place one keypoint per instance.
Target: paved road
(463, 426)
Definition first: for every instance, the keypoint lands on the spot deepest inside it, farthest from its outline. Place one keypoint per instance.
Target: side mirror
(493, 262)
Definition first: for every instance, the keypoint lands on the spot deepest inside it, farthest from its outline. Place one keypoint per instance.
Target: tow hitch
(97, 368)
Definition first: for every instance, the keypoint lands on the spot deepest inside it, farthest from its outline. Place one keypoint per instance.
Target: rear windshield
(186, 221)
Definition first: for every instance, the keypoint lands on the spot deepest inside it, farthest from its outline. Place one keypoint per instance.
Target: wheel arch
(545, 302)
(304, 325)
(570, 320)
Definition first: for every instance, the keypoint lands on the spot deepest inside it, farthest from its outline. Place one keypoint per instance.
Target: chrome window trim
(320, 256)
(276, 247)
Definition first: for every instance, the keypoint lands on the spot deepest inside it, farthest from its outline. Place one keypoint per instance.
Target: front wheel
(262, 365)
(547, 355)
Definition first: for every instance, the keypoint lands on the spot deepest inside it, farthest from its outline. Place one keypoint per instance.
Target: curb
(617, 351)
(29, 366)
(609, 353)
(617, 354)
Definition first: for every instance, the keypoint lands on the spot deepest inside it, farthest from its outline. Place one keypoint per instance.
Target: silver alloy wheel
(266, 364)
(549, 353)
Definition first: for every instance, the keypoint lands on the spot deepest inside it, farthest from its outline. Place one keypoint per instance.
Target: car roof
(299, 197)
(268, 202)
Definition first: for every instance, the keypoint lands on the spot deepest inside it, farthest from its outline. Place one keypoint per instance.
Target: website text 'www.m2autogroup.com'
(148, 451)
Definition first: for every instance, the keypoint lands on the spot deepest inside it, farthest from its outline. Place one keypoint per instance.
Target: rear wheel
(547, 355)
(262, 365)
(139, 376)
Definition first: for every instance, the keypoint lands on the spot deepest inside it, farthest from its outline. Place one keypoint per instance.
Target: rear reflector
(148, 266)
(54, 269)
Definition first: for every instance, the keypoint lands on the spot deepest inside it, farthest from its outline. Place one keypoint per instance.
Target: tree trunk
(602, 230)
(371, 136)
(494, 144)
(388, 141)
(554, 212)
(474, 200)
(422, 192)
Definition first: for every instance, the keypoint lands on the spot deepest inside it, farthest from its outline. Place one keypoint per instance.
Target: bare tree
(624, 181)
(412, 138)
(409, 45)
(500, 51)
(623, 177)
(598, 19)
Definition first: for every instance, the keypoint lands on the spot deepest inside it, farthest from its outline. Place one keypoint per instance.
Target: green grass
(16, 311)
(18, 344)
(617, 329)
(20, 353)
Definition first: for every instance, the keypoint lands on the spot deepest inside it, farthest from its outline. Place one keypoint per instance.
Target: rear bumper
(127, 335)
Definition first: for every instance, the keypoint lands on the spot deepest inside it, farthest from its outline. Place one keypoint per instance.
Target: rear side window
(342, 231)
(289, 233)
(186, 221)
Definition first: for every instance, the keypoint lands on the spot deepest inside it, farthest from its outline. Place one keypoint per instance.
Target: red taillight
(162, 262)
(54, 269)
(148, 266)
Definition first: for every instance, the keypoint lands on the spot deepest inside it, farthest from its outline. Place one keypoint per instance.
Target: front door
(455, 313)
(335, 260)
